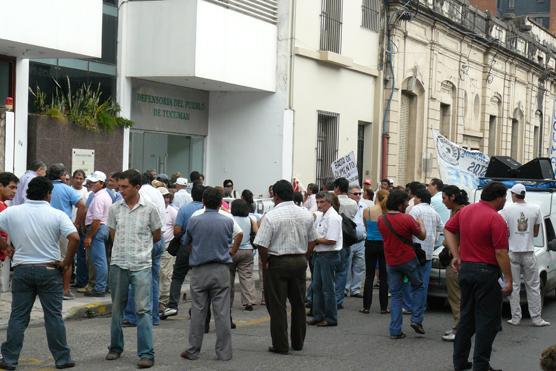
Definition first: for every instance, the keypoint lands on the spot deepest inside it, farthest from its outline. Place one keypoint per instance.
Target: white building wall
(347, 89)
(61, 28)
(198, 44)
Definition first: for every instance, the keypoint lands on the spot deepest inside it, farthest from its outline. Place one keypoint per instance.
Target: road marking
(252, 322)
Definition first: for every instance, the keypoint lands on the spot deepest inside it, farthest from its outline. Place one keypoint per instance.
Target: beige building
(335, 90)
(483, 83)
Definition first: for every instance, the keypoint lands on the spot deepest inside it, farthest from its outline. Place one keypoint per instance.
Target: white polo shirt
(329, 227)
(35, 228)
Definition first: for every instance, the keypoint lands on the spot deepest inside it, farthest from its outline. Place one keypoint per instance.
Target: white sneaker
(168, 312)
(541, 323)
(513, 322)
(449, 337)
(448, 332)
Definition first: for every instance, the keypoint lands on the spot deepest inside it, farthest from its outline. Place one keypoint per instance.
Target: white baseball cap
(97, 176)
(518, 189)
(181, 181)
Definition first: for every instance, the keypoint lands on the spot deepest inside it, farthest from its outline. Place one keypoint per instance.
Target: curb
(91, 310)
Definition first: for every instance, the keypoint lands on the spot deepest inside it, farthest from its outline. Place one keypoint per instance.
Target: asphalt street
(360, 342)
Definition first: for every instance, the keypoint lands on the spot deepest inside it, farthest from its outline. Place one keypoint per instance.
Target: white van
(545, 242)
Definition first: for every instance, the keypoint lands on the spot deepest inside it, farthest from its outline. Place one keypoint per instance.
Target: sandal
(364, 311)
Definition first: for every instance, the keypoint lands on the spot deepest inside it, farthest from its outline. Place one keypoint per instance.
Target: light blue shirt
(64, 197)
(21, 193)
(35, 229)
(442, 210)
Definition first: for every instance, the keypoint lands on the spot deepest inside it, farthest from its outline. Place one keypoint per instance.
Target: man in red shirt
(8, 188)
(478, 239)
(401, 261)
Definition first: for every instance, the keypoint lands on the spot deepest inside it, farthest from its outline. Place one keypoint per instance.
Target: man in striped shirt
(134, 224)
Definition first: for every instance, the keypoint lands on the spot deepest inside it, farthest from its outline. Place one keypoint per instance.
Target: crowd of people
(135, 236)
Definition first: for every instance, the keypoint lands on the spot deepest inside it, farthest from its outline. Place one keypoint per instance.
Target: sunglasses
(357, 193)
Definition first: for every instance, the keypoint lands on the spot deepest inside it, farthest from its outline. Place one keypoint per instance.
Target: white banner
(346, 167)
(459, 166)
(553, 139)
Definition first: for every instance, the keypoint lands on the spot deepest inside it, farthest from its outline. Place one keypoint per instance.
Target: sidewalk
(80, 307)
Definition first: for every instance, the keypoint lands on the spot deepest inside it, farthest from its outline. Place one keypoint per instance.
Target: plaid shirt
(286, 229)
(133, 240)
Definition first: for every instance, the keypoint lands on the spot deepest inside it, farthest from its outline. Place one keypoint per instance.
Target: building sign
(167, 108)
(346, 167)
(83, 159)
(459, 166)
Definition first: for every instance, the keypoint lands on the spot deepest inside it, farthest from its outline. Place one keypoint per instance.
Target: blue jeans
(129, 315)
(341, 274)
(324, 296)
(98, 256)
(120, 282)
(407, 292)
(356, 268)
(81, 269)
(27, 283)
(395, 282)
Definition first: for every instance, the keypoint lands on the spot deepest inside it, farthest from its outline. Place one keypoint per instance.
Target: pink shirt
(98, 209)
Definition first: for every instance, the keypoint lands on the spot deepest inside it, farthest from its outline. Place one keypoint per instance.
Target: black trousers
(181, 267)
(481, 306)
(374, 252)
(285, 279)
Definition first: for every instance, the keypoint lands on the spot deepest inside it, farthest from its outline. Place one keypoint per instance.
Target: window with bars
(327, 145)
(370, 15)
(331, 25)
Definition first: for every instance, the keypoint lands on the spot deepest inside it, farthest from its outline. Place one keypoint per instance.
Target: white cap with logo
(97, 176)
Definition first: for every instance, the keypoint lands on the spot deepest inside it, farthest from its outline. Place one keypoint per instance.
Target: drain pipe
(385, 123)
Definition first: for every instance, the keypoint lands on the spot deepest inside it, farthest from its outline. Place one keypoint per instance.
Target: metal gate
(327, 145)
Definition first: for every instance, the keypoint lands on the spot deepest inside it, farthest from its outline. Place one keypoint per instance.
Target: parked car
(545, 242)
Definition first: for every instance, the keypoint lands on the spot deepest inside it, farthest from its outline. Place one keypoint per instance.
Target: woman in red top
(401, 261)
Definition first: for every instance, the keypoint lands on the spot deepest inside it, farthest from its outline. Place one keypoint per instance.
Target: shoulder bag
(416, 246)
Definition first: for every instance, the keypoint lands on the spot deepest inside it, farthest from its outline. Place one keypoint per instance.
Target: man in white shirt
(181, 197)
(327, 259)
(523, 223)
(349, 208)
(356, 260)
(433, 225)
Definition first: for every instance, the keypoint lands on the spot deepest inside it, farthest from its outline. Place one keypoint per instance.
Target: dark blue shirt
(209, 234)
(184, 213)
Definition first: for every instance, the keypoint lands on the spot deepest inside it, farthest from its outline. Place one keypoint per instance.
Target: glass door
(166, 153)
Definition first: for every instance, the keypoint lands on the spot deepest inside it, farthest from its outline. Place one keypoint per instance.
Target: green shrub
(84, 107)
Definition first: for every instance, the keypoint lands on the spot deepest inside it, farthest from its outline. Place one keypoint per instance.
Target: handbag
(252, 234)
(416, 246)
(349, 231)
(174, 246)
(445, 257)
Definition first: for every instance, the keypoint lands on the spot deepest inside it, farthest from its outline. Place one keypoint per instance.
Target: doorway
(166, 153)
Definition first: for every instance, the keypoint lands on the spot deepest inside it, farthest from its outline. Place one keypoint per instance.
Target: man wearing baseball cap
(181, 197)
(524, 221)
(97, 233)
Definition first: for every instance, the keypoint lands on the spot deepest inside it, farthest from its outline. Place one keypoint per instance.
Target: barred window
(370, 18)
(327, 145)
(331, 25)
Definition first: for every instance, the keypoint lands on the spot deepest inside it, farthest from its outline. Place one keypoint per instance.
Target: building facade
(483, 83)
